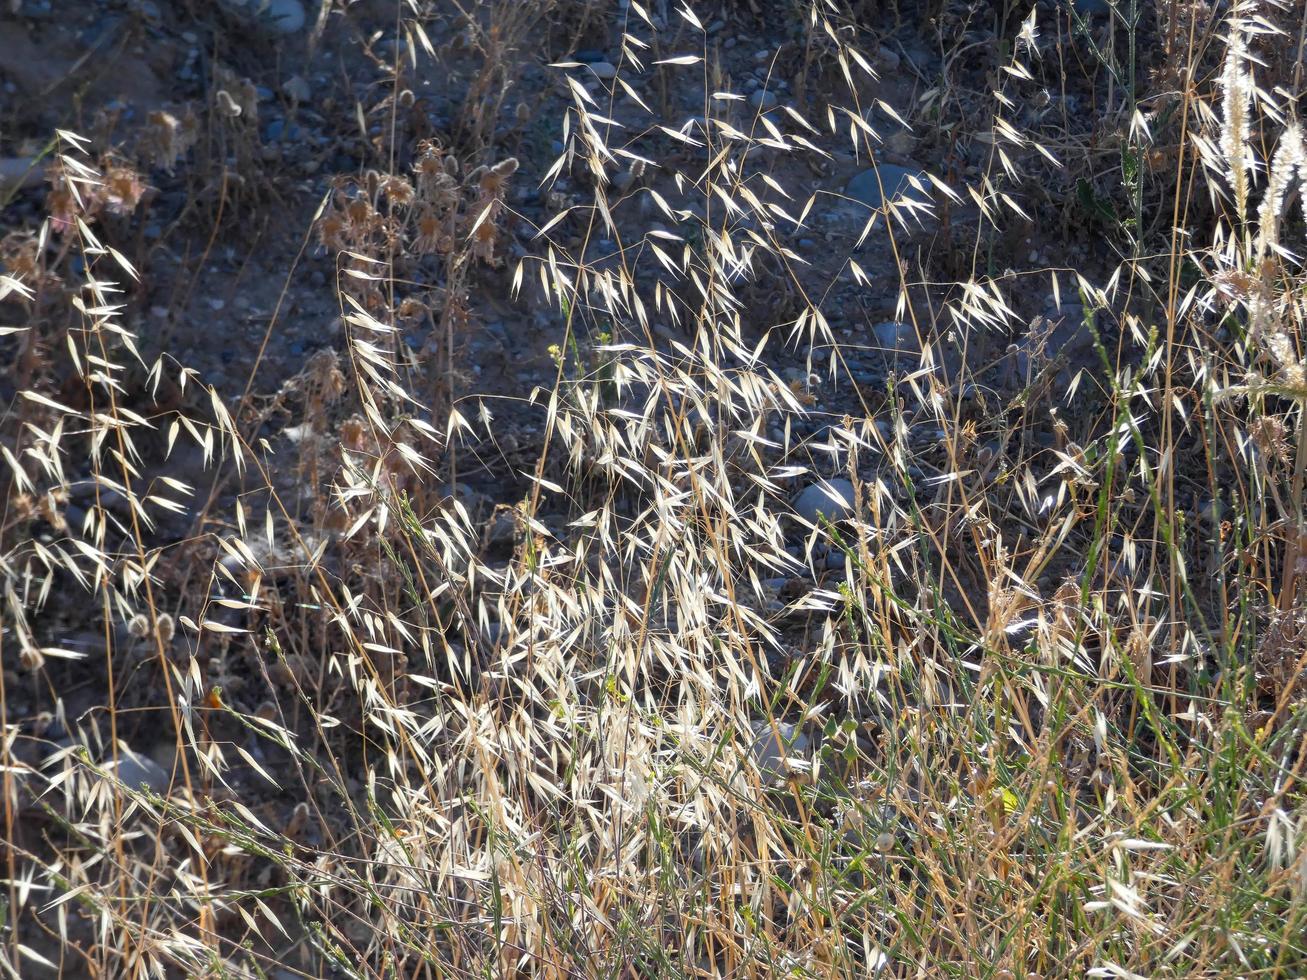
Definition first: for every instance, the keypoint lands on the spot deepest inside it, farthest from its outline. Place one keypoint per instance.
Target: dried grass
(1046, 722)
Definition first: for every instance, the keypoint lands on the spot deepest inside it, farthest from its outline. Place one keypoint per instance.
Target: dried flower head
(123, 189)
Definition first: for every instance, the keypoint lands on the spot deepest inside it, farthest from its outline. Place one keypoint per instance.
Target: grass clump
(1029, 702)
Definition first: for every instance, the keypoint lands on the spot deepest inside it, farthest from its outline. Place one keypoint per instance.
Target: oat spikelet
(1237, 100)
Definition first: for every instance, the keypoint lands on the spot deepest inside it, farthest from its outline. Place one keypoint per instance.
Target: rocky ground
(240, 128)
(279, 111)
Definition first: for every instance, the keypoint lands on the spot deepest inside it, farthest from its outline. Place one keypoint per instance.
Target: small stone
(1087, 8)
(896, 338)
(276, 130)
(296, 89)
(603, 69)
(866, 187)
(776, 758)
(835, 560)
(588, 56)
(502, 532)
(623, 182)
(1211, 512)
(282, 17)
(887, 59)
(20, 172)
(136, 771)
(763, 99)
(1062, 337)
(833, 500)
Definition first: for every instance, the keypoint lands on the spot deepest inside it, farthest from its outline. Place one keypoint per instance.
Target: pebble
(623, 181)
(887, 59)
(19, 172)
(297, 89)
(282, 17)
(1069, 342)
(763, 99)
(772, 756)
(503, 531)
(865, 188)
(1211, 512)
(135, 770)
(1087, 8)
(815, 499)
(896, 338)
(276, 128)
(835, 560)
(603, 69)
(588, 56)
